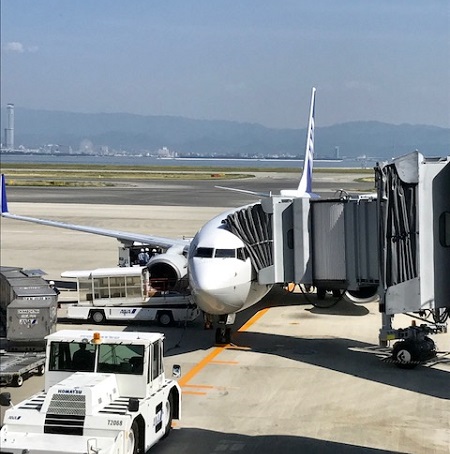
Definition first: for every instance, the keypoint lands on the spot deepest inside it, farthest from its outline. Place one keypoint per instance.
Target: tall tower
(9, 130)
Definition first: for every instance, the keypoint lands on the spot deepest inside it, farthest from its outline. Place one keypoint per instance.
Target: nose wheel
(223, 335)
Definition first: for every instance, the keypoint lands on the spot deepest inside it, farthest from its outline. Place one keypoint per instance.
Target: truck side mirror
(176, 371)
(5, 399)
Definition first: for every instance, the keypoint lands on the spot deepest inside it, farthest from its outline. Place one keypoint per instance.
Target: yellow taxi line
(209, 358)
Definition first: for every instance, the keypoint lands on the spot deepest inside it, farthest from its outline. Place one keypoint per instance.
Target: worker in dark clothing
(83, 360)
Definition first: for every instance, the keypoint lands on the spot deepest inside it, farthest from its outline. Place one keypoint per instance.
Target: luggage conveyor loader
(413, 194)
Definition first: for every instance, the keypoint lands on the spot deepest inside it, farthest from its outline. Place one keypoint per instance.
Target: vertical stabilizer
(305, 186)
(3, 194)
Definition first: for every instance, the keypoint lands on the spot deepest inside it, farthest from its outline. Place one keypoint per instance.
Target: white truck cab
(105, 392)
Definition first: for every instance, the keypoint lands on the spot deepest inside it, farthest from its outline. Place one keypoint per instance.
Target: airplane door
(441, 235)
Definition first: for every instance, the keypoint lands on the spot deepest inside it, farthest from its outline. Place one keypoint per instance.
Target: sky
(248, 60)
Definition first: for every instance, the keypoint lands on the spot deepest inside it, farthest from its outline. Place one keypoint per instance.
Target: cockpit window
(205, 252)
(225, 253)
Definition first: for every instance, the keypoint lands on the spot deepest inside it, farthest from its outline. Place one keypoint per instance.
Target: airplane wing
(245, 191)
(124, 237)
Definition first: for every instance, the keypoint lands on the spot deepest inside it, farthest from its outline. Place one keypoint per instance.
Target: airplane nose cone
(214, 290)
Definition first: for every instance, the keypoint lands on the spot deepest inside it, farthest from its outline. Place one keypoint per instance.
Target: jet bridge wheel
(404, 355)
(409, 353)
(323, 301)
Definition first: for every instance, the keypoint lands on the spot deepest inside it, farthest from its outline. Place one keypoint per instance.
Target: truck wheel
(41, 370)
(168, 416)
(18, 381)
(134, 438)
(98, 317)
(165, 318)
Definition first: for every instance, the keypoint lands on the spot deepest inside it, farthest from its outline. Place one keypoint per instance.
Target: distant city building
(164, 152)
(86, 146)
(336, 152)
(9, 130)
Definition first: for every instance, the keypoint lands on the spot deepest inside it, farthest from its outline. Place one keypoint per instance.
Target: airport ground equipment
(393, 245)
(15, 367)
(414, 242)
(27, 308)
(120, 403)
(28, 311)
(126, 294)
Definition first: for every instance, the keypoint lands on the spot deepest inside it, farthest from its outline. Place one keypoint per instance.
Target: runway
(296, 379)
(189, 192)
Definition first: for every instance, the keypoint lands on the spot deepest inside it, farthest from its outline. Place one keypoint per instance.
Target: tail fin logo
(3, 194)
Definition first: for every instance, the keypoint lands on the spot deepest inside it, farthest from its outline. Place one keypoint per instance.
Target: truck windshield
(112, 358)
(121, 359)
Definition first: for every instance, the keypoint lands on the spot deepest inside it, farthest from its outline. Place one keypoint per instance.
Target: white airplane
(221, 275)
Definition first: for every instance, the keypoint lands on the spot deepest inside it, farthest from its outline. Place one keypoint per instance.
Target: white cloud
(19, 48)
(14, 46)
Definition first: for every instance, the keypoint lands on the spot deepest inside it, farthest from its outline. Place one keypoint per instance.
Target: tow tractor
(105, 392)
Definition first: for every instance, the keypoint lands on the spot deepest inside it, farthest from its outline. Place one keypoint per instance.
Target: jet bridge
(394, 244)
(414, 243)
(329, 244)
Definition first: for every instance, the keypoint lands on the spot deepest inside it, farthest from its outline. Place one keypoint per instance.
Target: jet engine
(363, 295)
(168, 271)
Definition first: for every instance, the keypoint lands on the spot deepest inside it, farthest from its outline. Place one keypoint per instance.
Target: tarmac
(296, 378)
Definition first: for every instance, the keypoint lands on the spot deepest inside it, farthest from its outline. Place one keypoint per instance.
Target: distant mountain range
(35, 128)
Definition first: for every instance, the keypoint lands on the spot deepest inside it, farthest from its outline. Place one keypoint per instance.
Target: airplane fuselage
(221, 276)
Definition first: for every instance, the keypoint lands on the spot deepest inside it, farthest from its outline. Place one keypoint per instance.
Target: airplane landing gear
(223, 335)
(223, 332)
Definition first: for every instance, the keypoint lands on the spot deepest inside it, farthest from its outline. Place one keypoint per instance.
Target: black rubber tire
(405, 355)
(165, 318)
(321, 292)
(135, 430)
(98, 317)
(41, 370)
(18, 381)
(169, 406)
(223, 336)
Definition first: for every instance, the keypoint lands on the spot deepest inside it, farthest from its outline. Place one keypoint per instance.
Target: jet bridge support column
(290, 242)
